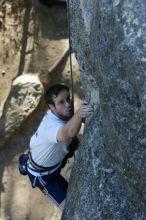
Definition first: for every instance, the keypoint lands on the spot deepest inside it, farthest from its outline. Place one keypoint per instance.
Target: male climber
(50, 145)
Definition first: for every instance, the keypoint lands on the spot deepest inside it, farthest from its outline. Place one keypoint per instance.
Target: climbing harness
(70, 51)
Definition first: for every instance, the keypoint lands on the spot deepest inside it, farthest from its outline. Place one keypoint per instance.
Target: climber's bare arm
(72, 127)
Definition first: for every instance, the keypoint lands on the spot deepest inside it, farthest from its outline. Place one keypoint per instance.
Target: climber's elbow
(64, 134)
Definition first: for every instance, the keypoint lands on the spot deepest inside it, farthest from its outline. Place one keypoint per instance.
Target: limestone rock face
(109, 175)
(23, 99)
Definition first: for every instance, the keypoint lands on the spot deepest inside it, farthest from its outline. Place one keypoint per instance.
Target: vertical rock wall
(109, 175)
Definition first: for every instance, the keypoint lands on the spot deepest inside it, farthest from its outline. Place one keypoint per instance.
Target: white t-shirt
(45, 149)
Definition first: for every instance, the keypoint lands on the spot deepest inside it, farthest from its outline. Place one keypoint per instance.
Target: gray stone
(109, 175)
(23, 99)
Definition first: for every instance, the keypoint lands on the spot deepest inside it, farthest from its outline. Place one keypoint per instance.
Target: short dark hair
(53, 90)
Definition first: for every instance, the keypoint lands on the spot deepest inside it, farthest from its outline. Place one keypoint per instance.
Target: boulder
(23, 99)
(109, 174)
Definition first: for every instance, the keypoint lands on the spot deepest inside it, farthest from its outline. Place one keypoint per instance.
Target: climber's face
(62, 107)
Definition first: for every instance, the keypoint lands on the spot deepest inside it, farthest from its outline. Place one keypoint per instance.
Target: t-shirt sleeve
(52, 132)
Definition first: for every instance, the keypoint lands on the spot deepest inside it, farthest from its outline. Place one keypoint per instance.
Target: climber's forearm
(74, 124)
(71, 128)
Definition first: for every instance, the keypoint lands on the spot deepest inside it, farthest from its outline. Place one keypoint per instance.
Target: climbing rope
(70, 58)
(70, 51)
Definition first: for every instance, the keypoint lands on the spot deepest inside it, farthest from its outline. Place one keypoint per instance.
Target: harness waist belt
(41, 168)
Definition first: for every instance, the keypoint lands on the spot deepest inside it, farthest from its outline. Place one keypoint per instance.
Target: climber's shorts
(53, 185)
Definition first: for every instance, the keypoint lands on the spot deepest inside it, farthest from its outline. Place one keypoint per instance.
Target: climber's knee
(61, 206)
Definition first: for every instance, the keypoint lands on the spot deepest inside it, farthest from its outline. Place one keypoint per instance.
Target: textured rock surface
(109, 175)
(23, 99)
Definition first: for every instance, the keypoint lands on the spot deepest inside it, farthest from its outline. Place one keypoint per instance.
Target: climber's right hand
(85, 110)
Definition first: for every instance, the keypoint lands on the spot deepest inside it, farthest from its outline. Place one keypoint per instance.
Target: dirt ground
(33, 39)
